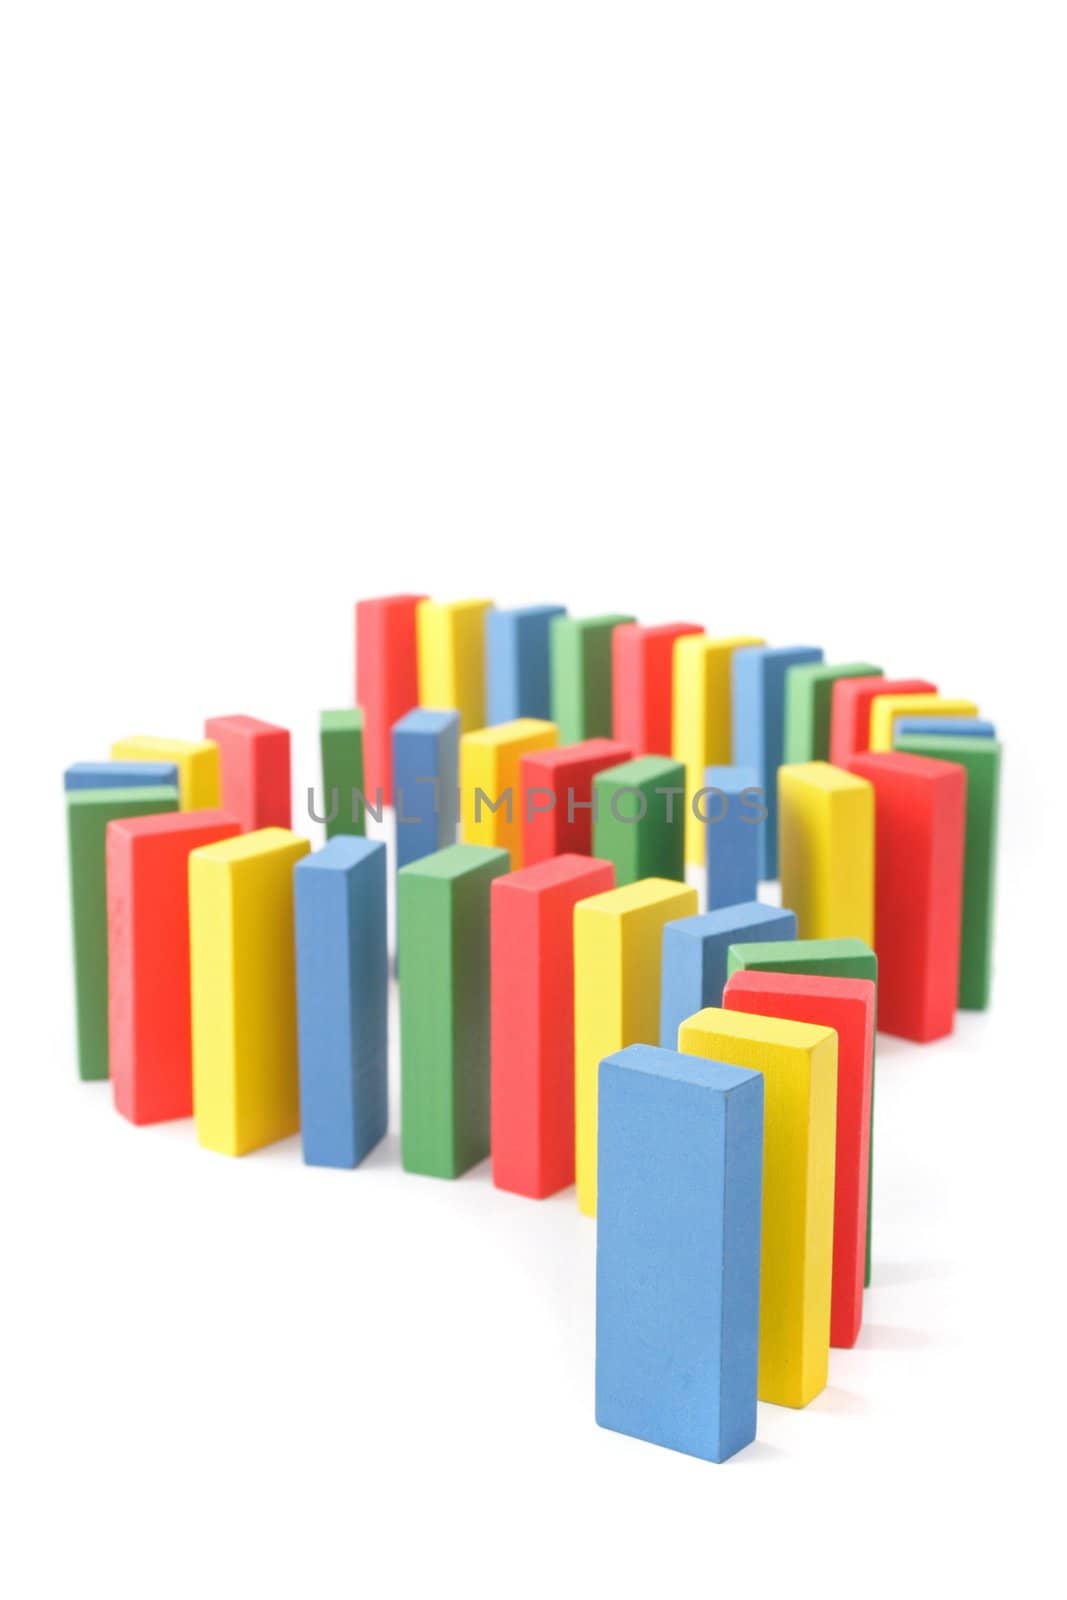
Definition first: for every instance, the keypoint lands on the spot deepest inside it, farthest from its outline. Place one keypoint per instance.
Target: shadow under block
(255, 771)
(980, 758)
(695, 951)
(758, 693)
(518, 682)
(342, 971)
(618, 939)
(88, 813)
(197, 761)
(246, 1091)
(642, 684)
(826, 850)
(121, 775)
(920, 810)
(639, 819)
(735, 820)
(808, 702)
(532, 1010)
(885, 708)
(943, 727)
(343, 782)
(580, 671)
(557, 797)
(678, 1251)
(387, 679)
(426, 783)
(847, 1005)
(799, 1066)
(850, 710)
(443, 959)
(490, 792)
(451, 638)
(150, 1024)
(701, 720)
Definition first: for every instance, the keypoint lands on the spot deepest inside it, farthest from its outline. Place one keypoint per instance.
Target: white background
(745, 314)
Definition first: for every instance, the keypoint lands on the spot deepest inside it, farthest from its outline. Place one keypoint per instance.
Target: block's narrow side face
(427, 1025)
(598, 1029)
(325, 1016)
(369, 1005)
(213, 974)
(470, 942)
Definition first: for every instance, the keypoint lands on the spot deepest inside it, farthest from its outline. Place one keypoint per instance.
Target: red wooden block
(148, 959)
(919, 823)
(847, 1005)
(564, 824)
(387, 681)
(642, 678)
(850, 711)
(532, 1021)
(254, 757)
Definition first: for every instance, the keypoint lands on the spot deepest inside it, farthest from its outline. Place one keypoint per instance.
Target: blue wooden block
(516, 663)
(425, 783)
(342, 973)
(961, 727)
(758, 717)
(680, 1172)
(120, 775)
(695, 952)
(732, 835)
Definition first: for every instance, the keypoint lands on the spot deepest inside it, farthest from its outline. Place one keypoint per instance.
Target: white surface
(752, 315)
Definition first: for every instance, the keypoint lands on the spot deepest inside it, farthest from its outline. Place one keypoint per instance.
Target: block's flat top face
(100, 799)
(554, 873)
(383, 602)
(661, 630)
(698, 644)
(731, 919)
(521, 613)
(875, 684)
(645, 769)
(342, 853)
(731, 780)
(831, 671)
(427, 722)
(153, 741)
(250, 846)
(111, 774)
(562, 756)
(610, 619)
(172, 823)
(805, 986)
(455, 861)
(636, 896)
(950, 747)
(455, 608)
(899, 764)
(821, 775)
(780, 655)
(717, 1023)
(700, 1071)
(805, 949)
(239, 723)
(350, 720)
(505, 733)
(968, 727)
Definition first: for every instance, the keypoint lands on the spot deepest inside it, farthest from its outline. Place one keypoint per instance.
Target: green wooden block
(88, 813)
(443, 961)
(809, 692)
(636, 825)
(341, 743)
(580, 667)
(981, 759)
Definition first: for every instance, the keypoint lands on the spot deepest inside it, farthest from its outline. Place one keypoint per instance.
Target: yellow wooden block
(451, 643)
(826, 850)
(701, 721)
(243, 969)
(799, 1066)
(197, 760)
(885, 708)
(491, 798)
(617, 957)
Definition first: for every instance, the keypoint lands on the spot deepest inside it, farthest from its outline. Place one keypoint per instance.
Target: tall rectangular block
(799, 1066)
(885, 708)
(850, 710)
(451, 640)
(197, 761)
(246, 1091)
(678, 1250)
(490, 791)
(617, 946)
(643, 684)
(758, 684)
(808, 701)
(149, 1016)
(826, 850)
(121, 775)
(695, 951)
(580, 663)
(701, 719)
(443, 958)
(532, 1005)
(426, 783)
(343, 781)
(387, 679)
(736, 816)
(518, 682)
(342, 970)
(557, 797)
(255, 771)
(639, 819)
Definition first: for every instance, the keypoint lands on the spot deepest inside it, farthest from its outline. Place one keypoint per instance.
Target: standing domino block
(808, 700)
(580, 670)
(850, 710)
(342, 972)
(943, 727)
(149, 1016)
(701, 721)
(387, 679)
(343, 784)
(639, 819)
(847, 1006)
(246, 1091)
(426, 783)
(735, 817)
(490, 792)
(452, 658)
(88, 813)
(695, 951)
(557, 797)
(255, 771)
(617, 945)
(121, 775)
(199, 772)
(759, 723)
(443, 958)
(799, 1066)
(885, 708)
(826, 850)
(920, 809)
(532, 1006)
(678, 1251)
(516, 663)
(642, 676)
